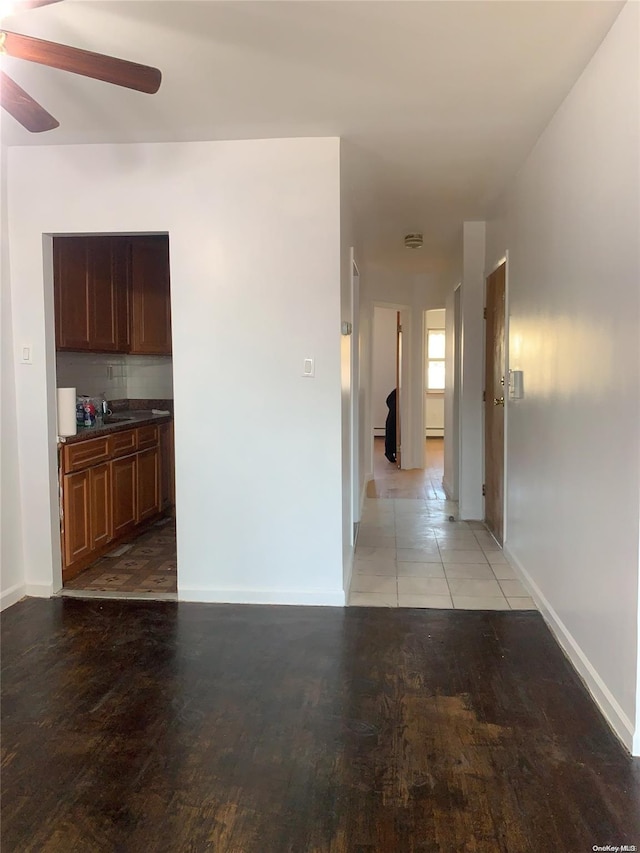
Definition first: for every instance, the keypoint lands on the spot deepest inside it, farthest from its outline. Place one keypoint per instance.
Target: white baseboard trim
(11, 596)
(39, 590)
(363, 494)
(214, 595)
(348, 574)
(448, 490)
(602, 696)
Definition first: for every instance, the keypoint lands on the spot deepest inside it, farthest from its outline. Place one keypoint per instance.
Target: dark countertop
(136, 418)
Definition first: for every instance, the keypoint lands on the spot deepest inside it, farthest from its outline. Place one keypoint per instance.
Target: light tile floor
(409, 554)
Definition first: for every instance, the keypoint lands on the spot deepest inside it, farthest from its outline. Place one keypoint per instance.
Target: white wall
(255, 272)
(365, 425)
(349, 382)
(571, 222)
(433, 403)
(453, 368)
(11, 557)
(471, 502)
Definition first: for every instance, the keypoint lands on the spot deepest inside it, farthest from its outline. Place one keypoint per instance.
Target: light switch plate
(308, 368)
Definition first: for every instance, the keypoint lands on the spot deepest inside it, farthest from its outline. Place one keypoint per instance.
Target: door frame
(407, 314)
(356, 495)
(504, 259)
(57, 582)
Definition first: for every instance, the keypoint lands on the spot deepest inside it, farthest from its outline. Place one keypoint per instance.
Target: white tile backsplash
(117, 376)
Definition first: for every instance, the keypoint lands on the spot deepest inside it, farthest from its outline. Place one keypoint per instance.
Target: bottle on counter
(89, 413)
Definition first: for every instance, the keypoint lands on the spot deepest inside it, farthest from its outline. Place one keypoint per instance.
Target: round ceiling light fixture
(413, 241)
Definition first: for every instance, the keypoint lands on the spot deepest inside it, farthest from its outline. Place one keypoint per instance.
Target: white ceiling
(438, 101)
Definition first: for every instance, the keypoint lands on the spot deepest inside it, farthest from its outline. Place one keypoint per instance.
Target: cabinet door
(150, 296)
(148, 484)
(122, 274)
(123, 495)
(71, 293)
(167, 498)
(103, 295)
(76, 517)
(100, 504)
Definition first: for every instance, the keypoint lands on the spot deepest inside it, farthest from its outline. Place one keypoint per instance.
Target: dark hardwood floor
(158, 726)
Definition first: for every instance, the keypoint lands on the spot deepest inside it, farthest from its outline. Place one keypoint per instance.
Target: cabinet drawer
(122, 443)
(147, 437)
(86, 453)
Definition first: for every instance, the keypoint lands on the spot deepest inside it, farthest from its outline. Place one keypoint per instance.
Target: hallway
(409, 554)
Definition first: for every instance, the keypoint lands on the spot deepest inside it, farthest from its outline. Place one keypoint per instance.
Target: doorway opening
(389, 386)
(114, 377)
(434, 391)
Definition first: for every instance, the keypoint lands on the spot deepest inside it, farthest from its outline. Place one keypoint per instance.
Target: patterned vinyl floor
(148, 564)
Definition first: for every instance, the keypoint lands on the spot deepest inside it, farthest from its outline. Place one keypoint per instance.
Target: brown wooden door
(76, 517)
(495, 384)
(100, 505)
(150, 296)
(148, 484)
(166, 465)
(71, 293)
(124, 494)
(399, 389)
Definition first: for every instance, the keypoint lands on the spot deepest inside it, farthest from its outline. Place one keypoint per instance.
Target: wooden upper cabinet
(121, 260)
(90, 289)
(112, 294)
(150, 296)
(71, 292)
(103, 295)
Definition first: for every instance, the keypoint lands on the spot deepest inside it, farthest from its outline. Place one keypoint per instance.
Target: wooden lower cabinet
(100, 505)
(124, 494)
(167, 465)
(108, 501)
(148, 484)
(86, 516)
(76, 515)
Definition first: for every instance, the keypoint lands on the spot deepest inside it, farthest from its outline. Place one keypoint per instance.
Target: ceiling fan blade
(142, 78)
(23, 108)
(33, 4)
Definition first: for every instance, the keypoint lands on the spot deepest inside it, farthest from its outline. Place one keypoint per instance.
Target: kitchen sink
(114, 419)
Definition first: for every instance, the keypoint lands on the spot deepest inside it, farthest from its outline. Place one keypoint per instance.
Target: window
(435, 360)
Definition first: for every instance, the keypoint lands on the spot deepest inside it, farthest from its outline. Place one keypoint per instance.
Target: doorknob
(498, 401)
